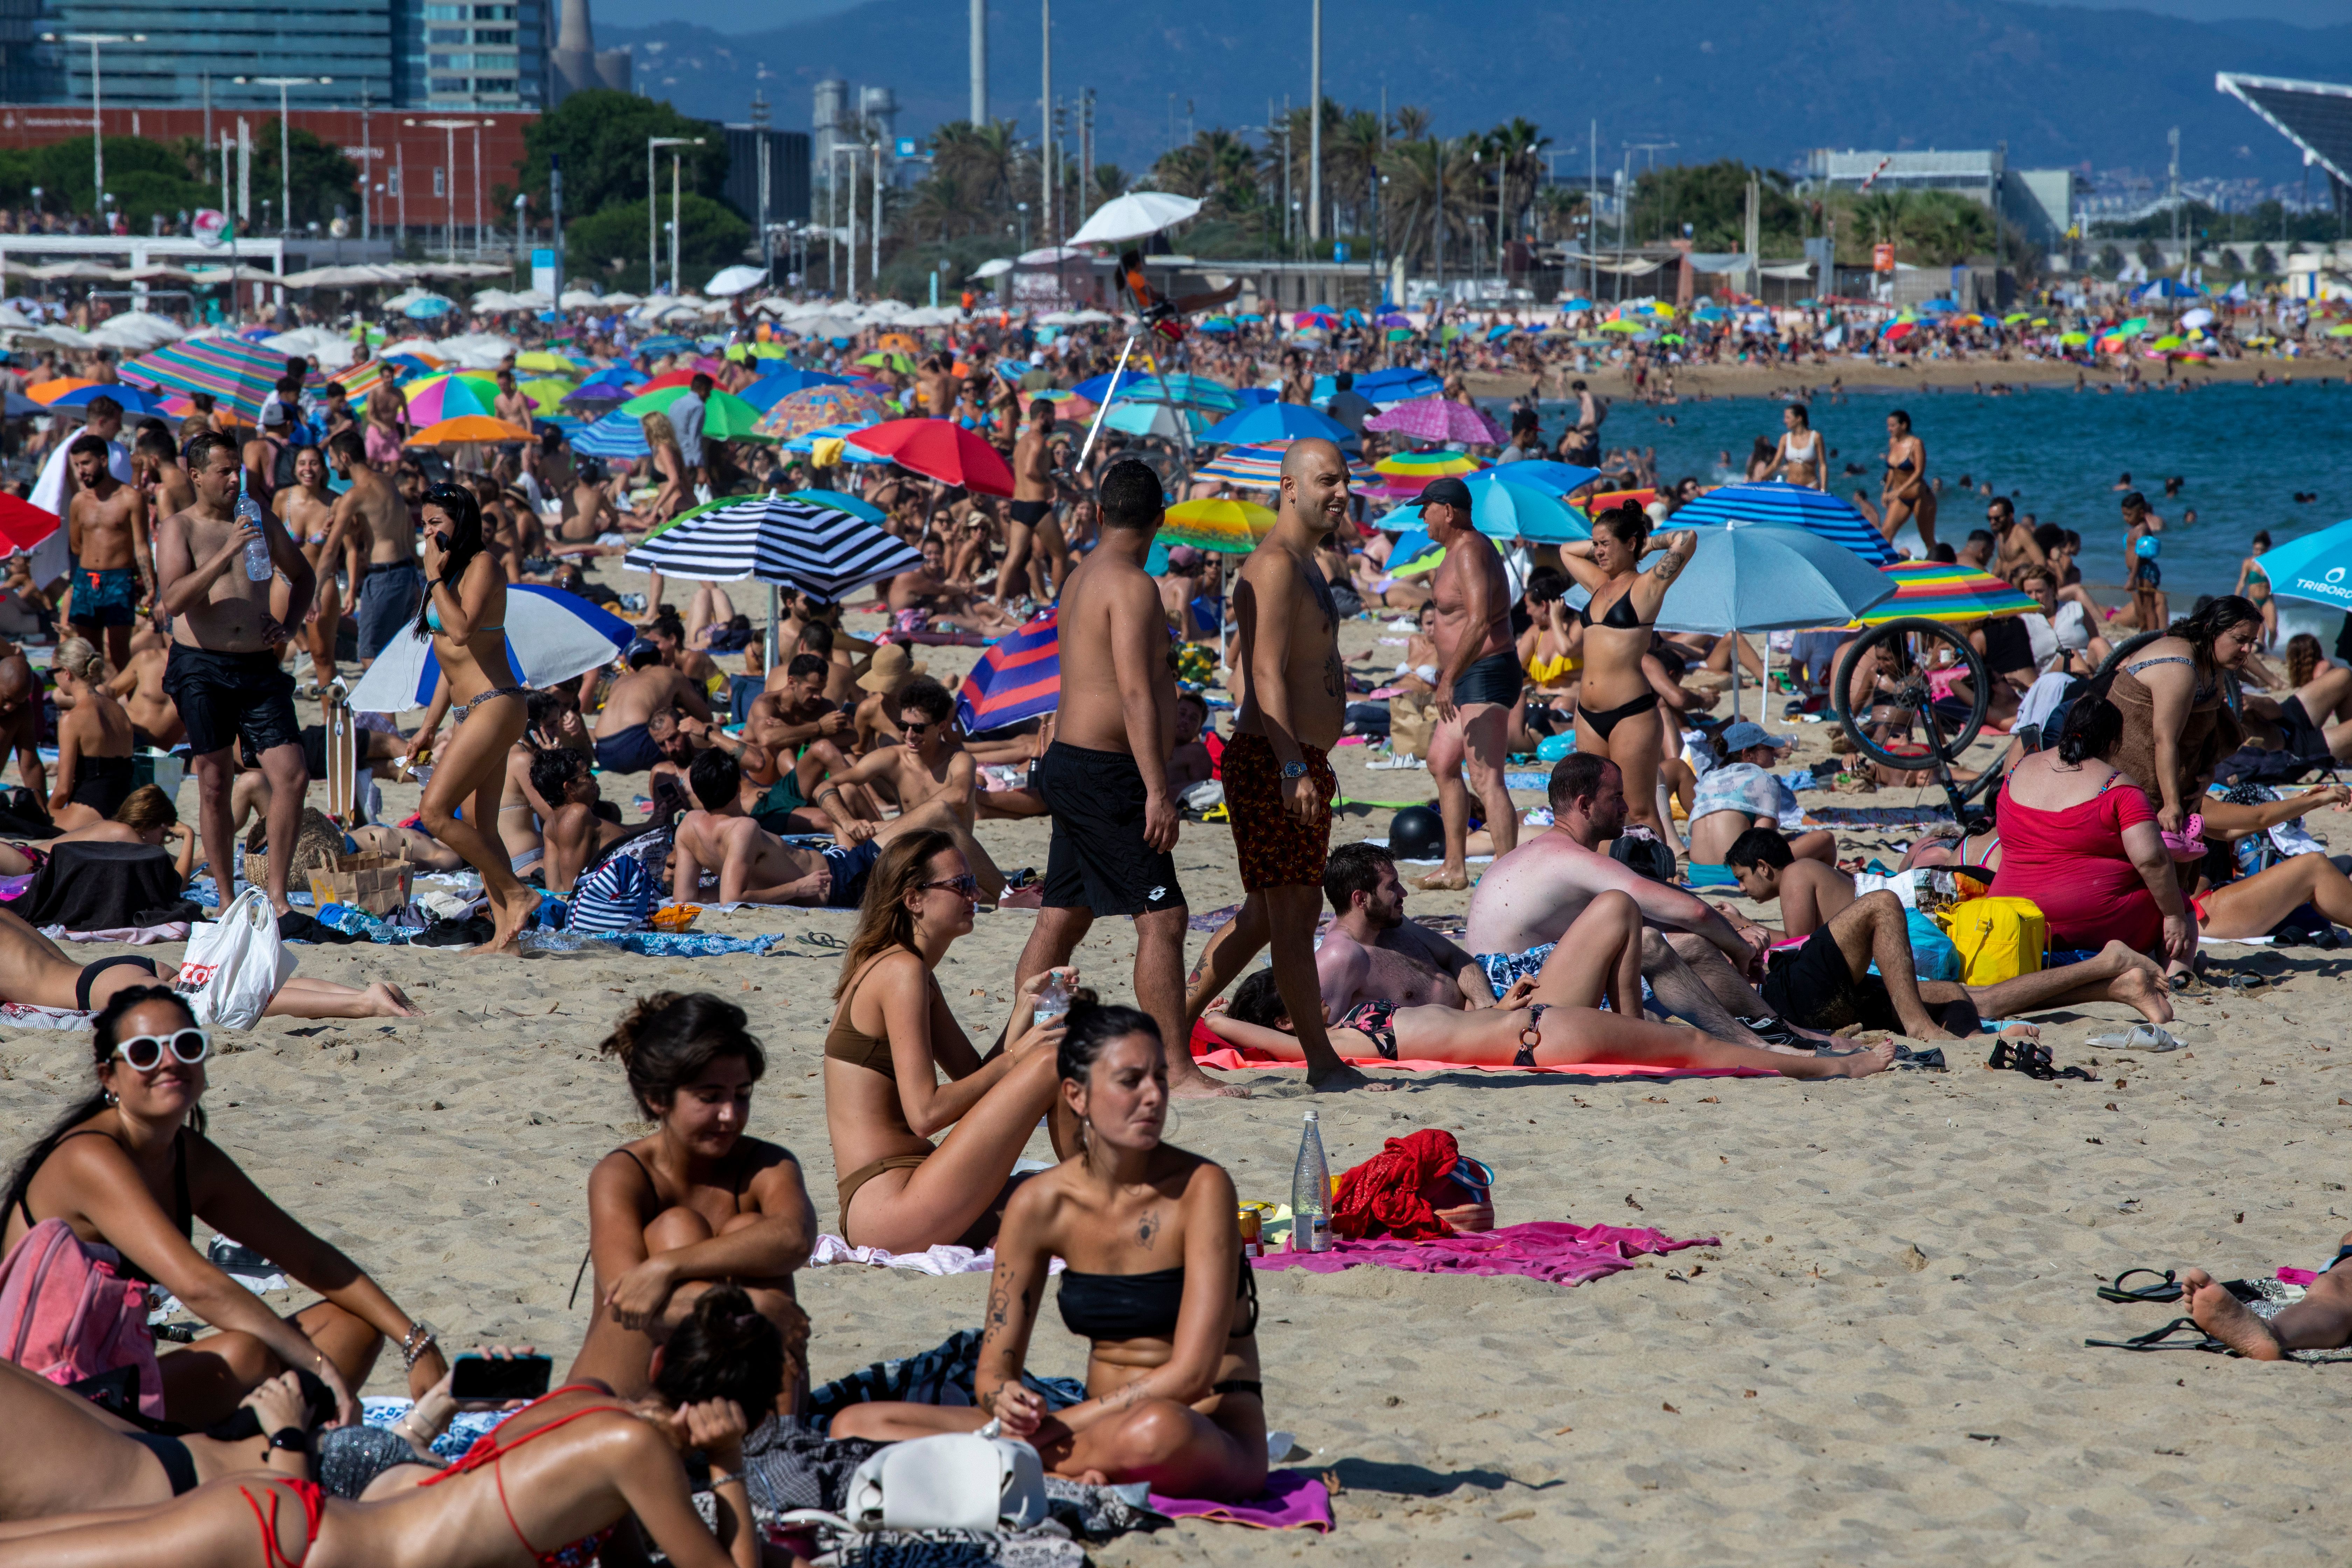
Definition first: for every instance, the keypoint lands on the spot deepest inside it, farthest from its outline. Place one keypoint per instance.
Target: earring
(109, 1097)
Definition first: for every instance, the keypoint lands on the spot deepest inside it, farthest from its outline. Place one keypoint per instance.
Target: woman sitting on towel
(146, 817)
(697, 1201)
(1551, 1019)
(93, 775)
(563, 1474)
(1155, 1282)
(35, 972)
(130, 1170)
(893, 1034)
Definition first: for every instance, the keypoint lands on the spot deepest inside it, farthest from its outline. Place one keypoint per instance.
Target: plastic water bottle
(1310, 1191)
(1053, 999)
(256, 549)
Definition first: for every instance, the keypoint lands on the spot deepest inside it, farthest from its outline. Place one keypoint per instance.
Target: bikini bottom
(1602, 723)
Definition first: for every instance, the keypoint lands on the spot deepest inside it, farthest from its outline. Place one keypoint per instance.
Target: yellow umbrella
(550, 363)
(1621, 326)
(1229, 527)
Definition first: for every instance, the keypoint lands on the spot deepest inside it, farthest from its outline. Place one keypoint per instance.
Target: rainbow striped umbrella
(1018, 678)
(1259, 466)
(433, 398)
(236, 371)
(1937, 592)
(1402, 474)
(363, 377)
(1227, 527)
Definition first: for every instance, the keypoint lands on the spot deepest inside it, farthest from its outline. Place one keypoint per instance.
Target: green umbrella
(725, 416)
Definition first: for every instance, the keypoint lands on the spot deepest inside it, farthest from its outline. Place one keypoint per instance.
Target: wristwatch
(292, 1438)
(1294, 769)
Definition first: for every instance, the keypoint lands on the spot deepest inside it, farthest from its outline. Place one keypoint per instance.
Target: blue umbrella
(551, 635)
(2318, 567)
(1769, 578)
(1510, 511)
(664, 344)
(1390, 387)
(778, 385)
(1543, 474)
(1194, 390)
(1275, 422)
(1815, 512)
(135, 399)
(842, 501)
(1099, 388)
(614, 435)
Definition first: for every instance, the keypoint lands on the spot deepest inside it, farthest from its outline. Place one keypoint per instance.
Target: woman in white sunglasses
(129, 1171)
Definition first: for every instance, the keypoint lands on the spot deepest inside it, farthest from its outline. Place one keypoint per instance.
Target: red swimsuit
(314, 1504)
(488, 1450)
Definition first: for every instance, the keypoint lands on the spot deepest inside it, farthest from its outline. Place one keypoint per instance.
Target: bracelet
(719, 1479)
(421, 1337)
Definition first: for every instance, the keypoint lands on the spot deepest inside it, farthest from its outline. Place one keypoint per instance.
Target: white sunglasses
(144, 1053)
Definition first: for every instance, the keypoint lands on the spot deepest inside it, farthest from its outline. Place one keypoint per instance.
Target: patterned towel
(941, 1376)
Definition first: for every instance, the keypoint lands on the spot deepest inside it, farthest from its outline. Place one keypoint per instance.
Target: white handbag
(958, 1481)
(235, 963)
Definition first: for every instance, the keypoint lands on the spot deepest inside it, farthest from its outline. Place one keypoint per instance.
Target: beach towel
(1699, 874)
(94, 885)
(1293, 1499)
(26, 1016)
(940, 1376)
(936, 1261)
(1554, 1251)
(1211, 1052)
(1920, 815)
(134, 936)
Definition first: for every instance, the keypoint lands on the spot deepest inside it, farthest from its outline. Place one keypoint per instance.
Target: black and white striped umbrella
(776, 539)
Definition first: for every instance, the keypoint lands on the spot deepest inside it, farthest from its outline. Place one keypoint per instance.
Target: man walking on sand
(1104, 777)
(370, 522)
(1029, 522)
(1478, 681)
(224, 674)
(106, 525)
(1278, 779)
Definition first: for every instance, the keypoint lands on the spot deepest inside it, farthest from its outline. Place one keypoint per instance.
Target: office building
(2039, 201)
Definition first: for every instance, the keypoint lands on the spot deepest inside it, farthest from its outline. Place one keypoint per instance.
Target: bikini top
(844, 1042)
(1805, 454)
(1139, 1306)
(432, 619)
(183, 1211)
(2203, 690)
(488, 1450)
(1620, 617)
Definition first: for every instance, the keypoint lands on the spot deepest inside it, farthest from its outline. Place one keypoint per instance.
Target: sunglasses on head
(144, 1053)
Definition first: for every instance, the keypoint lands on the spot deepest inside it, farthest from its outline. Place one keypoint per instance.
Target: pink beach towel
(1293, 1499)
(1211, 1052)
(1550, 1250)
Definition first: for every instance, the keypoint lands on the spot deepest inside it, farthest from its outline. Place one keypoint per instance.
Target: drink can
(1248, 1220)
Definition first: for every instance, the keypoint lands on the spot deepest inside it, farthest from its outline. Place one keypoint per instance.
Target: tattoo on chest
(1147, 1230)
(1335, 676)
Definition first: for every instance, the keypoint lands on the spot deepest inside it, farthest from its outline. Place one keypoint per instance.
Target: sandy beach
(1880, 1362)
(1898, 374)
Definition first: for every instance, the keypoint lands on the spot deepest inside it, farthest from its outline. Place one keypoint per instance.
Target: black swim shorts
(1030, 513)
(1493, 679)
(1812, 987)
(225, 696)
(1099, 861)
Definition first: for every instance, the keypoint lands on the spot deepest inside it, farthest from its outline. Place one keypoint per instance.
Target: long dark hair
(106, 1029)
(726, 1350)
(2209, 620)
(883, 921)
(465, 542)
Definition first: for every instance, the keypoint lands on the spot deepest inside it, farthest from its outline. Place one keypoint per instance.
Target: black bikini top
(1139, 1306)
(1628, 621)
(183, 1212)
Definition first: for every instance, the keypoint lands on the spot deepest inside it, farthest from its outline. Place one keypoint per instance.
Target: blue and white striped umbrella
(618, 435)
(1815, 512)
(551, 635)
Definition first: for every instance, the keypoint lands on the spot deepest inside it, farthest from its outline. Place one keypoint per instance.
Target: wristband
(293, 1439)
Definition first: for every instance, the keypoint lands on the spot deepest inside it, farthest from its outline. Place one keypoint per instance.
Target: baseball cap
(1186, 555)
(1446, 491)
(274, 413)
(1739, 737)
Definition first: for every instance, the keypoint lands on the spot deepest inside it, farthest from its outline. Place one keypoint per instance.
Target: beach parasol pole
(1124, 349)
(775, 615)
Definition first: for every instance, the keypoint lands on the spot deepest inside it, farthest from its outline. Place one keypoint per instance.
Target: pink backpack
(67, 1313)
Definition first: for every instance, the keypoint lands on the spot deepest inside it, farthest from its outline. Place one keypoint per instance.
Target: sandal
(2155, 1339)
(2165, 1289)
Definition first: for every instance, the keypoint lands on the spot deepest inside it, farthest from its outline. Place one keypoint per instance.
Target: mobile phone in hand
(500, 1377)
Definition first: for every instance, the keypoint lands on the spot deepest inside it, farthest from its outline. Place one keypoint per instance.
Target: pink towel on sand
(1232, 1059)
(1550, 1250)
(1293, 1499)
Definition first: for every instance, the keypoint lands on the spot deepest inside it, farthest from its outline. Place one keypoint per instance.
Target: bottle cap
(1312, 1116)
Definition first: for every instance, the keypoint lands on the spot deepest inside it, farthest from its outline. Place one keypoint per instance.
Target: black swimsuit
(1630, 621)
(185, 1215)
(1146, 1307)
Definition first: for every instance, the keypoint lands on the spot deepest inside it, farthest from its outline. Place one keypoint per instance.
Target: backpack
(1998, 938)
(67, 1313)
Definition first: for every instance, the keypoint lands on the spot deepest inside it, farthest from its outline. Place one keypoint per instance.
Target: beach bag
(1998, 938)
(1933, 956)
(1412, 721)
(67, 1313)
(958, 1481)
(235, 964)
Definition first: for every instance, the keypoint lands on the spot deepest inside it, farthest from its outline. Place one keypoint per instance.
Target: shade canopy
(1769, 578)
(818, 550)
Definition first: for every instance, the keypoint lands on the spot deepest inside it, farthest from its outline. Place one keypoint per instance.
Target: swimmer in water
(2255, 584)
(1907, 496)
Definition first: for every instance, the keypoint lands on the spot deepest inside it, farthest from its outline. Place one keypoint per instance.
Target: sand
(1899, 372)
(1881, 1362)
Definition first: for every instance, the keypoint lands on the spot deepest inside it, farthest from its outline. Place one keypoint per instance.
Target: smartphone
(500, 1377)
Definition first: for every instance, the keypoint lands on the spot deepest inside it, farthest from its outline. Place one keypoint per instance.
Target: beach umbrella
(135, 400)
(842, 432)
(364, 376)
(1277, 421)
(842, 501)
(661, 343)
(546, 393)
(1414, 554)
(1404, 473)
(1259, 466)
(48, 391)
(1938, 591)
(1501, 510)
(725, 416)
(2340, 329)
(816, 407)
(1621, 325)
(451, 396)
(1134, 216)
(1188, 391)
(1099, 389)
(1163, 420)
(614, 435)
(467, 427)
(1020, 677)
(235, 370)
(1545, 475)
(1778, 501)
(1437, 419)
(938, 449)
(2317, 566)
(2073, 340)
(888, 359)
(551, 363)
(1228, 527)
(22, 524)
(551, 635)
(1769, 578)
(818, 550)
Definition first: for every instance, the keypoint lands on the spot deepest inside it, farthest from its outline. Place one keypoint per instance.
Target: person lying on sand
(35, 971)
(1372, 952)
(1549, 1019)
(146, 817)
(1173, 1391)
(2321, 1321)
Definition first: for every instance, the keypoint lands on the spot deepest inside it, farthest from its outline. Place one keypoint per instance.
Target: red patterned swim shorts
(1275, 850)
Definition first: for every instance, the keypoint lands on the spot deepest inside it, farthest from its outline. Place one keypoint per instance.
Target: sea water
(2243, 451)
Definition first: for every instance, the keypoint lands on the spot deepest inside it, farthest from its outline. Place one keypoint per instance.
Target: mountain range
(2060, 85)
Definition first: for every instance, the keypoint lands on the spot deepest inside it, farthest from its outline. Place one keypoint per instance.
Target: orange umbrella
(47, 391)
(468, 428)
(898, 343)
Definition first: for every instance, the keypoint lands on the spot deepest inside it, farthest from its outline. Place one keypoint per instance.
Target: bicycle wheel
(1910, 641)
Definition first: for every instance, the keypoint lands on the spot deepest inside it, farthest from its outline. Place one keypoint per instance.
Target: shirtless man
(576, 834)
(224, 673)
(2015, 548)
(589, 515)
(155, 465)
(1372, 953)
(139, 687)
(754, 866)
(1478, 681)
(1810, 893)
(1278, 780)
(114, 570)
(1906, 494)
(1029, 519)
(623, 743)
(1104, 779)
(388, 584)
(925, 597)
(929, 765)
(512, 404)
(20, 720)
(1188, 762)
(876, 713)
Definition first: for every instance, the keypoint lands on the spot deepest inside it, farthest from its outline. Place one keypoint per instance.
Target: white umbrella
(551, 635)
(994, 267)
(1134, 216)
(733, 280)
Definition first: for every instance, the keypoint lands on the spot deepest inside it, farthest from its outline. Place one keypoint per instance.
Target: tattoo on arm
(1669, 569)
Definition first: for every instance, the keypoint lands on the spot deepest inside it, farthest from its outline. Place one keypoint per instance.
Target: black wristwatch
(1294, 769)
(292, 1438)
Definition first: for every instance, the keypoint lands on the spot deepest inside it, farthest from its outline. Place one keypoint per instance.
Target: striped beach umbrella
(1259, 466)
(433, 398)
(777, 538)
(614, 435)
(363, 376)
(1402, 474)
(1018, 678)
(1815, 512)
(1227, 527)
(1937, 592)
(235, 370)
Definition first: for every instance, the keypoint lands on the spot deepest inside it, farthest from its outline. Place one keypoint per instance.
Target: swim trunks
(388, 599)
(630, 752)
(1505, 968)
(850, 869)
(1275, 848)
(1496, 679)
(773, 810)
(108, 596)
(1030, 513)
(1099, 861)
(225, 696)
(1814, 988)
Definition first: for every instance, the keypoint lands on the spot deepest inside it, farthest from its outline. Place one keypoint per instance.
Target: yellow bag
(1998, 939)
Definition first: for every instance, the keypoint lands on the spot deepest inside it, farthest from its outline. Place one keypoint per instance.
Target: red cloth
(1383, 1196)
(2070, 863)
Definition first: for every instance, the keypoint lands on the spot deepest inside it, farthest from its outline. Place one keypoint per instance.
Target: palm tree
(1352, 159)
(1520, 146)
(1427, 178)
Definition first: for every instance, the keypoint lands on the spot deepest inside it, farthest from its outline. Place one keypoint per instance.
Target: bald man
(1277, 771)
(20, 699)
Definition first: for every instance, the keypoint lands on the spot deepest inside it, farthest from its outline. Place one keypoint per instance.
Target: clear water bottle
(1310, 1191)
(256, 549)
(1052, 1000)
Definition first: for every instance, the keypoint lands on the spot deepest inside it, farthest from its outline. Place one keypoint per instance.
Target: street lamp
(97, 132)
(285, 136)
(449, 186)
(653, 255)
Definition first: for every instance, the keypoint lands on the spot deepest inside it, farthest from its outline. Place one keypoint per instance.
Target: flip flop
(2166, 1287)
(2157, 1340)
(2138, 1038)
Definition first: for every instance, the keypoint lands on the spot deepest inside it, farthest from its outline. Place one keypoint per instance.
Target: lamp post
(285, 136)
(653, 227)
(449, 128)
(96, 131)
